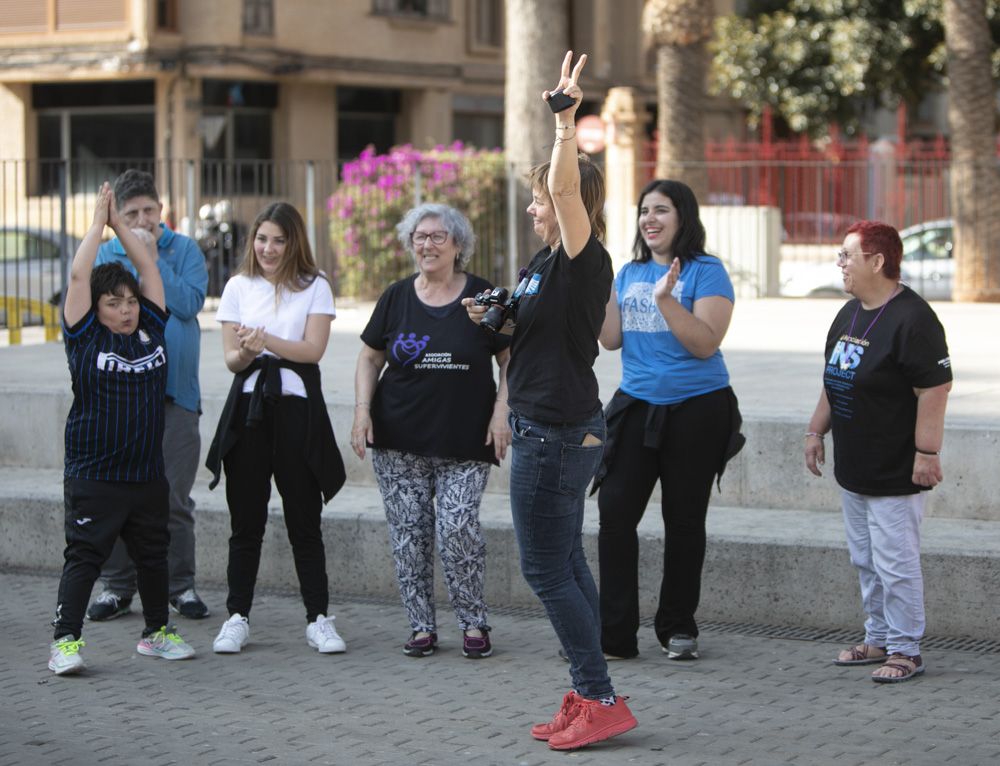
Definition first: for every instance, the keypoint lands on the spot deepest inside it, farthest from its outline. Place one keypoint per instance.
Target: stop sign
(590, 134)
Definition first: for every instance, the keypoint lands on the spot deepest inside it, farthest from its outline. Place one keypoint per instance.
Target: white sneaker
(165, 643)
(322, 636)
(64, 656)
(234, 635)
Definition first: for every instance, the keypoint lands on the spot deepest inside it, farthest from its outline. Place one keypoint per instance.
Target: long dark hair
(689, 241)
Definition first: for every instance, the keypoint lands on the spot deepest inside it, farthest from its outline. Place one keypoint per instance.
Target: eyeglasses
(437, 237)
(844, 256)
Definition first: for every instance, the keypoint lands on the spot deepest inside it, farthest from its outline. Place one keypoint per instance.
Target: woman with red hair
(885, 388)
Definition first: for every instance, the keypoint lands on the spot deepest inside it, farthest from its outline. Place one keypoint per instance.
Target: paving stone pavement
(749, 700)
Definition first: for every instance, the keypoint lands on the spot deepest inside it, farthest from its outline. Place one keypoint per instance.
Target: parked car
(928, 266)
(928, 258)
(31, 263)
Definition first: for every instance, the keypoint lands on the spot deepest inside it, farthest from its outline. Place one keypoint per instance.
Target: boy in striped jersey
(114, 485)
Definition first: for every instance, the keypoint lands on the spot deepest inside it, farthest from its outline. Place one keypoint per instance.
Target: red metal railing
(823, 187)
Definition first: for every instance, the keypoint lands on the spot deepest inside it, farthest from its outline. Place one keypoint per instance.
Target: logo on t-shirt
(846, 355)
(144, 336)
(117, 363)
(407, 348)
(639, 310)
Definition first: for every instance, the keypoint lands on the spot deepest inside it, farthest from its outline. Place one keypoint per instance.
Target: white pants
(883, 538)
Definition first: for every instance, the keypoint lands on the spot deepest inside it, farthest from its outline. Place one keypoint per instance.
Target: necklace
(850, 333)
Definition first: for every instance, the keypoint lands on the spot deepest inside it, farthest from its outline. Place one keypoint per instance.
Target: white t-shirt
(251, 302)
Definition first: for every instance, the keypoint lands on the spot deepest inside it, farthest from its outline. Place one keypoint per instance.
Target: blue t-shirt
(655, 366)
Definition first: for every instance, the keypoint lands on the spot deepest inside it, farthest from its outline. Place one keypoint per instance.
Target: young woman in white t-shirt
(275, 314)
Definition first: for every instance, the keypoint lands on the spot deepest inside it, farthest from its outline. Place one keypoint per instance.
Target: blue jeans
(549, 473)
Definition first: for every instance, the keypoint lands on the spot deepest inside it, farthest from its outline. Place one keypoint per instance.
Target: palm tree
(975, 179)
(679, 29)
(536, 37)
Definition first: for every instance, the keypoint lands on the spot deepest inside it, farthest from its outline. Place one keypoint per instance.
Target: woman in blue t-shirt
(674, 419)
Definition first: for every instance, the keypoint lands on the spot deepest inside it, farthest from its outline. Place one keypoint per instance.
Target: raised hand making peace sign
(569, 88)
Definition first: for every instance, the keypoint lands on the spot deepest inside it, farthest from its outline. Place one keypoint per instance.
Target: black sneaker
(681, 647)
(189, 605)
(108, 606)
(420, 647)
(477, 647)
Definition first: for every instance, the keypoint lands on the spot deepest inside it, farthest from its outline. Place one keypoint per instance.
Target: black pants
(97, 513)
(694, 439)
(274, 448)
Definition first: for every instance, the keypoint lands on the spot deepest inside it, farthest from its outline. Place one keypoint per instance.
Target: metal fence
(48, 206)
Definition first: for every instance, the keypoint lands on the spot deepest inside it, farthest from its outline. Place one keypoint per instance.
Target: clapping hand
(665, 285)
(252, 339)
(101, 207)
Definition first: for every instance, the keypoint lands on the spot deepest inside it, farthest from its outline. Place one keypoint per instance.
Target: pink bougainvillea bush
(375, 192)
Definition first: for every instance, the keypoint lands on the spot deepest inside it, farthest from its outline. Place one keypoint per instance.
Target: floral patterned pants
(409, 485)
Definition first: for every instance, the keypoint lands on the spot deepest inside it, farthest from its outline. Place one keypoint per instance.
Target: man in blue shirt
(182, 268)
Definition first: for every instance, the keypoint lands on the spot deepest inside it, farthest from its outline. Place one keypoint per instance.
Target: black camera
(502, 306)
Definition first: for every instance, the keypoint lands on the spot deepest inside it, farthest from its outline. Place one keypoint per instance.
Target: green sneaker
(64, 656)
(165, 643)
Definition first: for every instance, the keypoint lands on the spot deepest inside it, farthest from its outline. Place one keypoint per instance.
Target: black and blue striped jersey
(114, 431)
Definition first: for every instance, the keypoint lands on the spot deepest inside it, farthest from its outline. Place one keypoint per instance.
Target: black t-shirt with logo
(435, 397)
(551, 373)
(114, 431)
(869, 380)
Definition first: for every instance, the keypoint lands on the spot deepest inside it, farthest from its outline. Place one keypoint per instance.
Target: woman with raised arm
(557, 420)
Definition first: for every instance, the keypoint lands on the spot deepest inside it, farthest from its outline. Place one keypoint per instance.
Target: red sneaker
(592, 723)
(561, 720)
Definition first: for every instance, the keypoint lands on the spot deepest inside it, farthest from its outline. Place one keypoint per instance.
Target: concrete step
(786, 567)
(768, 473)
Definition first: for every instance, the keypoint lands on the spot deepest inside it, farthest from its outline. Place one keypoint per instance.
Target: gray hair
(456, 224)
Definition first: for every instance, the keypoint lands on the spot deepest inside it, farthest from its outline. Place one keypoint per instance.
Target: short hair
(878, 237)
(111, 279)
(591, 190)
(689, 241)
(134, 183)
(299, 269)
(456, 224)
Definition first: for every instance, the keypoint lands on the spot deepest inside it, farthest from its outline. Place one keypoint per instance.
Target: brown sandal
(910, 667)
(862, 654)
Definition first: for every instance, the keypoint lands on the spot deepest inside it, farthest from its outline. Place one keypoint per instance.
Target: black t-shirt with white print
(114, 431)
(869, 380)
(551, 373)
(435, 397)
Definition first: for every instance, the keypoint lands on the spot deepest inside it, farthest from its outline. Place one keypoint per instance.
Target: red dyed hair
(878, 237)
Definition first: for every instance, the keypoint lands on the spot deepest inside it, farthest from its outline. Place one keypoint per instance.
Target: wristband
(925, 452)
(362, 404)
(814, 433)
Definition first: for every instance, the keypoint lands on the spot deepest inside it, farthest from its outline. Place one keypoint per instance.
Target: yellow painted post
(14, 321)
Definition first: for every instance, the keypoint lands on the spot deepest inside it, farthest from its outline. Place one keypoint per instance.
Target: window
(166, 15)
(237, 139)
(485, 24)
(92, 132)
(366, 116)
(436, 10)
(258, 17)
(478, 120)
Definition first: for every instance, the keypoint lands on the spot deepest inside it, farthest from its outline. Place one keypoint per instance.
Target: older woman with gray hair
(429, 409)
